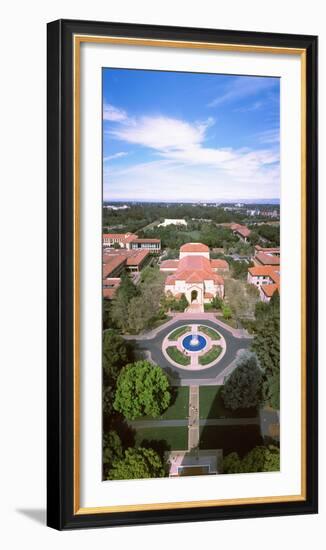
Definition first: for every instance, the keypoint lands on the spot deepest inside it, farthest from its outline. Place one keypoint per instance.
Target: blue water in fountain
(201, 344)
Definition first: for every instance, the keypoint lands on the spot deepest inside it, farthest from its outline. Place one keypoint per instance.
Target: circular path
(154, 347)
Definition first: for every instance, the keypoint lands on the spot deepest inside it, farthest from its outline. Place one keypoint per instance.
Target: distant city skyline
(187, 137)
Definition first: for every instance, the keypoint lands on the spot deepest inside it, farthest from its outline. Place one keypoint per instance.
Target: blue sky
(171, 136)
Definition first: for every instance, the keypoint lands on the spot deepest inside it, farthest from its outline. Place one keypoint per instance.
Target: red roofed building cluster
(116, 261)
(265, 274)
(130, 241)
(194, 274)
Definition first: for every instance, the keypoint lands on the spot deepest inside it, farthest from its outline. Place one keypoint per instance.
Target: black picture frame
(60, 316)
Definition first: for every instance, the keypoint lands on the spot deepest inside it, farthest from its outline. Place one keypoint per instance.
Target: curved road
(154, 346)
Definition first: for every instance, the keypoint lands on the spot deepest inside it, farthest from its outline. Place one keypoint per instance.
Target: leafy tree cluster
(137, 464)
(259, 459)
(217, 236)
(170, 303)
(239, 268)
(115, 354)
(271, 233)
(243, 386)
(142, 389)
(241, 248)
(241, 298)
(112, 450)
(136, 308)
(266, 345)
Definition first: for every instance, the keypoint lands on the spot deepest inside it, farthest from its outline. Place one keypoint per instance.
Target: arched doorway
(194, 296)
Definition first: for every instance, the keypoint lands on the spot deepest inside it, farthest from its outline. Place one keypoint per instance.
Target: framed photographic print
(182, 274)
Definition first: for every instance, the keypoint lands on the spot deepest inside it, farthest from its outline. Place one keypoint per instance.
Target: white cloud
(115, 156)
(169, 180)
(253, 107)
(269, 136)
(162, 133)
(114, 113)
(243, 87)
(185, 168)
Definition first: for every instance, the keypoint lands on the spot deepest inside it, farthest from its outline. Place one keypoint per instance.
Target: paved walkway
(236, 332)
(193, 420)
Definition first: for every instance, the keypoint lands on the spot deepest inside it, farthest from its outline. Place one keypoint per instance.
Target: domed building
(195, 275)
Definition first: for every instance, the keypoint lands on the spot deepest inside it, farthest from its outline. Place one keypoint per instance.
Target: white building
(169, 221)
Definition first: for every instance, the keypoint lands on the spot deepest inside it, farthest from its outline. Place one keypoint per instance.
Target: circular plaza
(194, 346)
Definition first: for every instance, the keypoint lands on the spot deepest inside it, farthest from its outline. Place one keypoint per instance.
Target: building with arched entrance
(195, 275)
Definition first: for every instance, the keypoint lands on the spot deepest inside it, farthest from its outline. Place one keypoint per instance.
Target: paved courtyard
(151, 346)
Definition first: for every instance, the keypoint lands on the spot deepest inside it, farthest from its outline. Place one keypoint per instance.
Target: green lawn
(210, 355)
(169, 438)
(211, 405)
(178, 332)
(177, 356)
(179, 408)
(209, 332)
(240, 439)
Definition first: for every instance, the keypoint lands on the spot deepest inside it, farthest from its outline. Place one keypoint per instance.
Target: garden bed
(177, 356)
(210, 355)
(178, 332)
(213, 334)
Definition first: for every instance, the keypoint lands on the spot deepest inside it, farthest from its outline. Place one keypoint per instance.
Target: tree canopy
(137, 464)
(243, 387)
(115, 354)
(142, 389)
(266, 345)
(119, 309)
(259, 459)
(112, 450)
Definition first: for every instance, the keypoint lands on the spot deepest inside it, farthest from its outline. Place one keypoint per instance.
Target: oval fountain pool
(194, 342)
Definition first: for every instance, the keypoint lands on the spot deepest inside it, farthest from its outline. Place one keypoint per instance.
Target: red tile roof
(194, 269)
(169, 264)
(269, 290)
(146, 241)
(110, 286)
(275, 250)
(194, 247)
(123, 237)
(137, 258)
(267, 259)
(219, 264)
(265, 271)
(241, 229)
(111, 264)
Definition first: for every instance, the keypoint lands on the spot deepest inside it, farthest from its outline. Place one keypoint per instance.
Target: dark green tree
(266, 343)
(142, 389)
(217, 302)
(259, 459)
(243, 387)
(107, 318)
(137, 464)
(107, 400)
(115, 354)
(112, 450)
(271, 389)
(119, 310)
